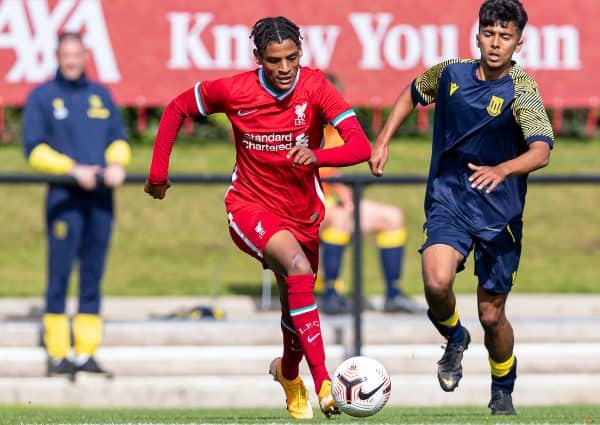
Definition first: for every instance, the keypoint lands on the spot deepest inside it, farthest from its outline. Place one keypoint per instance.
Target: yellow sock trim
(340, 285)
(452, 321)
(87, 331)
(335, 236)
(49, 161)
(118, 152)
(502, 369)
(56, 335)
(391, 239)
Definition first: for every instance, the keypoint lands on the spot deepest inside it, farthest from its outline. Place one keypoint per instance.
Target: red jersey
(266, 125)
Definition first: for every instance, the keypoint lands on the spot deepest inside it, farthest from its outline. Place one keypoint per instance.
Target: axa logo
(302, 140)
(300, 111)
(30, 28)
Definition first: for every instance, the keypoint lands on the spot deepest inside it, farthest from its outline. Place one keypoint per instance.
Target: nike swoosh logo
(313, 337)
(244, 113)
(365, 396)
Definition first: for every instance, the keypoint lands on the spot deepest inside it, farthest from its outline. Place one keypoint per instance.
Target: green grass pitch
(389, 415)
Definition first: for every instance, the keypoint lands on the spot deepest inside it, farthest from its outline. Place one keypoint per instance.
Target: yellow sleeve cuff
(118, 152)
(49, 161)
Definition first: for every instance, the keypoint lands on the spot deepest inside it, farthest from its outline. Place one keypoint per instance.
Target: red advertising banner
(148, 51)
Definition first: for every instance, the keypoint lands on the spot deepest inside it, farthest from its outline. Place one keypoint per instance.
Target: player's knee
(396, 218)
(341, 222)
(438, 283)
(491, 317)
(299, 264)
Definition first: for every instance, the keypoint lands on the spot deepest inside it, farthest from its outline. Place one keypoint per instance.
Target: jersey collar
(279, 95)
(81, 81)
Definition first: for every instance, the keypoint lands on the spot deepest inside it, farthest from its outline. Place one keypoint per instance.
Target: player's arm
(190, 103)
(529, 112)
(403, 106)
(41, 156)
(422, 90)
(356, 147)
(488, 177)
(334, 109)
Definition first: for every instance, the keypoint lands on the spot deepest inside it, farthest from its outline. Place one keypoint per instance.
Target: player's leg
(63, 231)
(499, 341)
(285, 369)
(443, 254)
(496, 264)
(335, 235)
(87, 325)
(292, 349)
(439, 264)
(260, 234)
(387, 222)
(284, 255)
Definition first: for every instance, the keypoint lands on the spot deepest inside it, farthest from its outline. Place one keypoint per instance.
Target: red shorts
(251, 226)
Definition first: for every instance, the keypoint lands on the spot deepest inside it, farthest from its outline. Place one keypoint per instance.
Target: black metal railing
(356, 182)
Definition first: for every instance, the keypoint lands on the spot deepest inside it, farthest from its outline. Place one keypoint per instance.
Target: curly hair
(502, 12)
(274, 29)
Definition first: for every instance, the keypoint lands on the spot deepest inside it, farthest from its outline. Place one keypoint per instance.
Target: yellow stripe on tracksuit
(57, 337)
(118, 152)
(49, 161)
(391, 238)
(335, 236)
(502, 369)
(87, 331)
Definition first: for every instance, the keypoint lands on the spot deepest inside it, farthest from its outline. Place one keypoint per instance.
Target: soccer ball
(361, 386)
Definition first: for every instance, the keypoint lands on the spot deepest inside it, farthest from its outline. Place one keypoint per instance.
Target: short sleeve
(425, 86)
(334, 109)
(530, 113)
(212, 96)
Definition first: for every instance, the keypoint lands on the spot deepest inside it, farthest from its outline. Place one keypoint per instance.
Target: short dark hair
(69, 35)
(502, 11)
(274, 29)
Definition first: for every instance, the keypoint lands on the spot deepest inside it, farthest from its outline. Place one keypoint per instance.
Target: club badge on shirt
(97, 109)
(59, 110)
(300, 111)
(495, 106)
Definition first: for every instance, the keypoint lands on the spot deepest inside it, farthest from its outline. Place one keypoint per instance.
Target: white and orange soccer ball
(361, 386)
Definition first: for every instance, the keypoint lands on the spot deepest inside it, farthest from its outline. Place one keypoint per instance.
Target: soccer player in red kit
(275, 202)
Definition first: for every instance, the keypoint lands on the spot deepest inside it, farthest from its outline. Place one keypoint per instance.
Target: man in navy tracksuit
(71, 126)
(490, 131)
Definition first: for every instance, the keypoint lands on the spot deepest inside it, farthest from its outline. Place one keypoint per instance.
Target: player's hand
(486, 177)
(85, 175)
(114, 175)
(157, 191)
(379, 157)
(302, 156)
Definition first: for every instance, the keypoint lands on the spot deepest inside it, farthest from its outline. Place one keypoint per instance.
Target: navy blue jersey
(78, 119)
(484, 123)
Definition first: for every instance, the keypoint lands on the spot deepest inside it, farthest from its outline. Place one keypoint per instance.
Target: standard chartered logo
(270, 142)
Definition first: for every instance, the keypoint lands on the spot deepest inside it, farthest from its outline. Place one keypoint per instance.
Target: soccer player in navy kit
(72, 126)
(490, 131)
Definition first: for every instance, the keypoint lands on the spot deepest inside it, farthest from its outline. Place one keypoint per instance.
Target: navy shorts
(497, 251)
